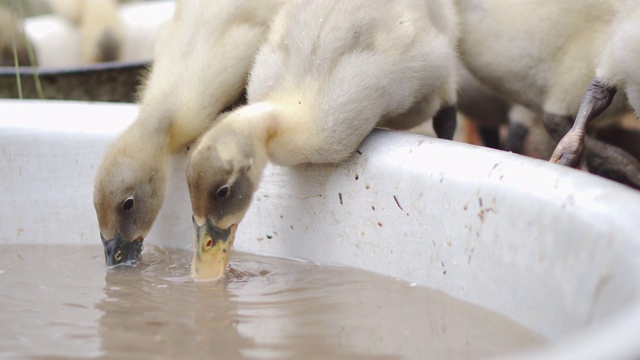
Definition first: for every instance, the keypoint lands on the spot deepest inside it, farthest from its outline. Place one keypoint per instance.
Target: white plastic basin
(555, 249)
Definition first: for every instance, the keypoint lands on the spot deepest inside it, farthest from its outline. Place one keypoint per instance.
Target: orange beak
(212, 247)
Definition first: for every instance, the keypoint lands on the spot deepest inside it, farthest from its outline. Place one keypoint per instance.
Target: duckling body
(540, 54)
(619, 65)
(543, 55)
(617, 72)
(490, 111)
(201, 61)
(327, 75)
(334, 77)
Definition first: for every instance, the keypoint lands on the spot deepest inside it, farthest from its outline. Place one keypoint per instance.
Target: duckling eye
(223, 192)
(128, 204)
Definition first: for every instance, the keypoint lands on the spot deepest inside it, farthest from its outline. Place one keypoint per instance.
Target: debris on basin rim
(552, 248)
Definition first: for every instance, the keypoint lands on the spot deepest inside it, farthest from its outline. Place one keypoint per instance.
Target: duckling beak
(120, 252)
(211, 250)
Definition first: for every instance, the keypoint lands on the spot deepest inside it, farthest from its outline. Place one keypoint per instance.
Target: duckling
(101, 29)
(543, 55)
(329, 73)
(10, 34)
(490, 112)
(201, 62)
(617, 69)
(487, 110)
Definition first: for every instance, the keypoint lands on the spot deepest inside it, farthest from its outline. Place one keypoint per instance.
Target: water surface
(60, 301)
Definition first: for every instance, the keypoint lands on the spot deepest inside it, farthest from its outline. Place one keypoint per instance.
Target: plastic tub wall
(555, 249)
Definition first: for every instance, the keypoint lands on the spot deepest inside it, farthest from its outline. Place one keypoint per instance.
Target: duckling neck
(256, 122)
(150, 138)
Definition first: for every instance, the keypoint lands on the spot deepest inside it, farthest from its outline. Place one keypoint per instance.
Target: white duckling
(618, 69)
(101, 29)
(201, 62)
(490, 112)
(329, 73)
(543, 55)
(12, 35)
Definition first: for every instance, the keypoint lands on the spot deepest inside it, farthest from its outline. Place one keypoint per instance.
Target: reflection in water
(46, 300)
(265, 308)
(158, 309)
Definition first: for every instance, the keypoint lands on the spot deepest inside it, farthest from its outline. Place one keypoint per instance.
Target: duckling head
(128, 194)
(222, 174)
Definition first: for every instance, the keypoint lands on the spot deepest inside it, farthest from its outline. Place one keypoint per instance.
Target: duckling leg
(521, 119)
(444, 122)
(601, 158)
(596, 99)
(490, 136)
(612, 162)
(516, 135)
(557, 126)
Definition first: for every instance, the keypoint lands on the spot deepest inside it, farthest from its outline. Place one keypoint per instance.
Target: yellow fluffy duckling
(201, 62)
(328, 74)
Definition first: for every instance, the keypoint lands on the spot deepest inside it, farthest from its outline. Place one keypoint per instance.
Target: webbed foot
(569, 150)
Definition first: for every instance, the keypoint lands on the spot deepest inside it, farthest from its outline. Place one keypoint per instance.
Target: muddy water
(60, 301)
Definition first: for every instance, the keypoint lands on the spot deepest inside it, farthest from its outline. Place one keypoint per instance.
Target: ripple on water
(263, 308)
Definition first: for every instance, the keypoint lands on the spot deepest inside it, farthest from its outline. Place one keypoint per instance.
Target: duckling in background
(101, 29)
(329, 73)
(618, 68)
(543, 55)
(201, 62)
(490, 112)
(10, 33)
